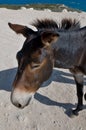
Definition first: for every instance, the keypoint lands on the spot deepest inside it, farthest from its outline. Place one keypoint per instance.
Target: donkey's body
(63, 47)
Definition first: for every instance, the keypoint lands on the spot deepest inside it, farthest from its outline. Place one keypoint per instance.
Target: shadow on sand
(47, 101)
(6, 79)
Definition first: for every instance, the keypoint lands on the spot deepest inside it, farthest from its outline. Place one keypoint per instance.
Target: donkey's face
(35, 63)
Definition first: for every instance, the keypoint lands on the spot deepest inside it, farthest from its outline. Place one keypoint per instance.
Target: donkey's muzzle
(20, 99)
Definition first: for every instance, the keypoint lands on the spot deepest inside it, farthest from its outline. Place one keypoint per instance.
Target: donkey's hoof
(71, 113)
(75, 112)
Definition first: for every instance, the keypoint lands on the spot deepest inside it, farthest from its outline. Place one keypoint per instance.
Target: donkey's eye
(33, 66)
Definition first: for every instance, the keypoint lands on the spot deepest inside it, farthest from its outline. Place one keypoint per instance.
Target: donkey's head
(35, 63)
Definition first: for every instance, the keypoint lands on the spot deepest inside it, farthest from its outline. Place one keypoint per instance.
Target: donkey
(62, 46)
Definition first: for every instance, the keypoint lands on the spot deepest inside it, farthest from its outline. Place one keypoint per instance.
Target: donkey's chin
(21, 99)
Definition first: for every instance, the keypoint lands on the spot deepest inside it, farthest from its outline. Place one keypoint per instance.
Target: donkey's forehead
(31, 45)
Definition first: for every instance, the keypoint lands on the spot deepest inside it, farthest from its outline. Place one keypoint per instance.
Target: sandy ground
(50, 107)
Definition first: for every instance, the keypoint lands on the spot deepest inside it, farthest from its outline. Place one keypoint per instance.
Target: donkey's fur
(63, 45)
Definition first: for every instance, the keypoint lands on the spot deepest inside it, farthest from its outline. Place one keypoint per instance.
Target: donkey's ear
(20, 29)
(49, 37)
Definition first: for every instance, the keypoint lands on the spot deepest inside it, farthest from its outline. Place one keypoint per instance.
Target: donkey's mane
(66, 24)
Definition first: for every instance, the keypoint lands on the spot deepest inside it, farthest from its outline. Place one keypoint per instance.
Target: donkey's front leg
(79, 87)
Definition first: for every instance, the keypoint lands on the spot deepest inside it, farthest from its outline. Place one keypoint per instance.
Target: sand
(51, 105)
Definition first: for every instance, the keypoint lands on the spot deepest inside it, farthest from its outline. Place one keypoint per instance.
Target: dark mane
(69, 24)
(66, 24)
(45, 24)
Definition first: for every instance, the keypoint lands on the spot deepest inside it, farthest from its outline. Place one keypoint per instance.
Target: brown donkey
(62, 47)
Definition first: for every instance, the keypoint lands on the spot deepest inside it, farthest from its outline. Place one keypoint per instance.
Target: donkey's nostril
(19, 105)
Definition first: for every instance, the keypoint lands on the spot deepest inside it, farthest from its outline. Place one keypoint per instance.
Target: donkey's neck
(67, 50)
